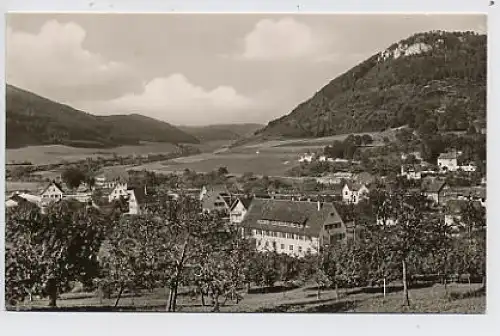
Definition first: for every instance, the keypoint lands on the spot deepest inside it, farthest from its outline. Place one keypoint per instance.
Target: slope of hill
(222, 131)
(435, 76)
(34, 120)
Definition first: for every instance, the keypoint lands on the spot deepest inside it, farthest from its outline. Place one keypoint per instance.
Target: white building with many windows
(293, 227)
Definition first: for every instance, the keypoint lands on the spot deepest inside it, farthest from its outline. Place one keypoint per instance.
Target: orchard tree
(73, 177)
(47, 251)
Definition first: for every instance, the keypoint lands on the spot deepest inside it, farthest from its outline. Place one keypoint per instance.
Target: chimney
(319, 206)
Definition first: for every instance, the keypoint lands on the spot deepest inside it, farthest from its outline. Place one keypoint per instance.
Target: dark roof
(479, 192)
(58, 185)
(140, 194)
(306, 215)
(433, 185)
(244, 200)
(354, 185)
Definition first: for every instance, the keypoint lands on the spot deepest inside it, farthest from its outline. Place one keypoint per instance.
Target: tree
(222, 171)
(45, 252)
(73, 177)
(405, 222)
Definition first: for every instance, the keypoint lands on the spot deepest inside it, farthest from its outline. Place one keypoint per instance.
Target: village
(280, 219)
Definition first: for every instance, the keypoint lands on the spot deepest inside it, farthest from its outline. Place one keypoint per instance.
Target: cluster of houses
(310, 157)
(111, 184)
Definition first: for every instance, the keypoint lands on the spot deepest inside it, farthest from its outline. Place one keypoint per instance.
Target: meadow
(458, 298)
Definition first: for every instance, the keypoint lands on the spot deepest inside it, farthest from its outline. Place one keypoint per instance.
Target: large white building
(239, 209)
(448, 161)
(293, 227)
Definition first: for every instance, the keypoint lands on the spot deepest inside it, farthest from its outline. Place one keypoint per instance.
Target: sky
(200, 69)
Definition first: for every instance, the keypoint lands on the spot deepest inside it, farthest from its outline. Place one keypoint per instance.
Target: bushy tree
(45, 252)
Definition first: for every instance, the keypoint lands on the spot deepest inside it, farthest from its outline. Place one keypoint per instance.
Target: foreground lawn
(300, 300)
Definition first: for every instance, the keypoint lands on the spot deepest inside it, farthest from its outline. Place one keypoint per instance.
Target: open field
(300, 300)
(57, 153)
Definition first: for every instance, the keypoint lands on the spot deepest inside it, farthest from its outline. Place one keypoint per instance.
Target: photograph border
(282, 324)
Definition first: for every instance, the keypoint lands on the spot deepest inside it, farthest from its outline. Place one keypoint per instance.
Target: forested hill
(221, 131)
(435, 77)
(34, 120)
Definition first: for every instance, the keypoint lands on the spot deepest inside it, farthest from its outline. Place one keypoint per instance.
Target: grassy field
(57, 153)
(300, 300)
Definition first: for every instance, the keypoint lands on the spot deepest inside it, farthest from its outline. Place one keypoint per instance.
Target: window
(346, 193)
(291, 248)
(301, 237)
(282, 246)
(300, 248)
(308, 250)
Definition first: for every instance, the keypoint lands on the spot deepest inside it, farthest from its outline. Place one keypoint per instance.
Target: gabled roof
(243, 200)
(114, 174)
(433, 185)
(58, 186)
(139, 193)
(354, 185)
(305, 215)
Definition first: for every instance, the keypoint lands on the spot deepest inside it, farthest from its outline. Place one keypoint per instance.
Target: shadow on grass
(389, 289)
(469, 294)
(274, 289)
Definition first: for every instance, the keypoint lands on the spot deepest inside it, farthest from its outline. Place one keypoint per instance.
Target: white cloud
(176, 100)
(283, 39)
(55, 58)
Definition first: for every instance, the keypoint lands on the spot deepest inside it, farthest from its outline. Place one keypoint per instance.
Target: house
(448, 161)
(120, 190)
(307, 157)
(417, 156)
(109, 178)
(353, 192)
(239, 209)
(17, 198)
(437, 190)
(52, 193)
(411, 171)
(322, 158)
(136, 200)
(334, 178)
(293, 227)
(471, 194)
(470, 167)
(216, 198)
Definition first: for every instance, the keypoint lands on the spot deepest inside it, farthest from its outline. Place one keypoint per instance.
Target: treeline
(174, 245)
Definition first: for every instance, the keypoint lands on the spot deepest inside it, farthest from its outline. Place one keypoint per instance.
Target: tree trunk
(202, 299)
(248, 287)
(216, 308)
(170, 298)
(318, 294)
(336, 291)
(52, 291)
(470, 286)
(385, 288)
(406, 297)
(119, 296)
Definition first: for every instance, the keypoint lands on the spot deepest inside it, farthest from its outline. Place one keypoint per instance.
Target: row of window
(333, 226)
(282, 246)
(287, 235)
(279, 223)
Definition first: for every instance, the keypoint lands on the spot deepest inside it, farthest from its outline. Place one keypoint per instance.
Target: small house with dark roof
(353, 192)
(293, 227)
(52, 193)
(110, 177)
(239, 208)
(136, 200)
(437, 190)
(216, 199)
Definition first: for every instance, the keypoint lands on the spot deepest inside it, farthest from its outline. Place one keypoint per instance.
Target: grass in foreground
(301, 300)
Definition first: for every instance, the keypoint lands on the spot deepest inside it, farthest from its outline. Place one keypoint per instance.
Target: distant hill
(222, 131)
(436, 77)
(34, 120)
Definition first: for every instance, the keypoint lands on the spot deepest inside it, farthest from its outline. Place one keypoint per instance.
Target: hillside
(434, 76)
(34, 120)
(221, 132)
